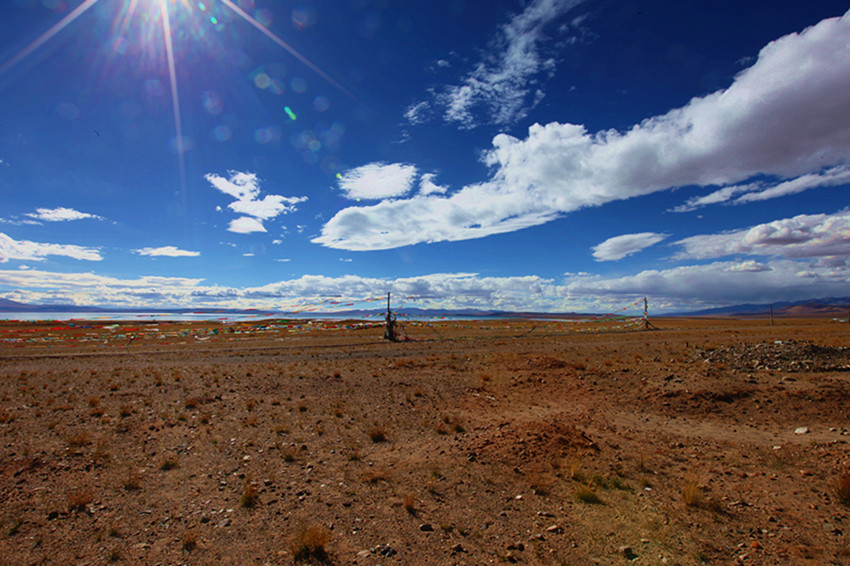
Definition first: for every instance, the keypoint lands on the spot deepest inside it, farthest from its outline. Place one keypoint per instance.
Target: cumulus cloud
(377, 181)
(803, 236)
(25, 250)
(246, 225)
(501, 89)
(753, 192)
(428, 187)
(680, 288)
(719, 283)
(786, 116)
(60, 214)
(245, 188)
(619, 247)
(168, 251)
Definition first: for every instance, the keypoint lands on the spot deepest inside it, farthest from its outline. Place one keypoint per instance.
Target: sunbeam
(43, 38)
(175, 98)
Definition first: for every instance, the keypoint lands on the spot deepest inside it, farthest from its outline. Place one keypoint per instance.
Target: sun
(152, 25)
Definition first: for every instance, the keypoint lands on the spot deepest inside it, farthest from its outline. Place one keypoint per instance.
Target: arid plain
(706, 441)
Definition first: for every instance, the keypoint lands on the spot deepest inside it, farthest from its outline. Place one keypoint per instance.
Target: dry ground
(471, 445)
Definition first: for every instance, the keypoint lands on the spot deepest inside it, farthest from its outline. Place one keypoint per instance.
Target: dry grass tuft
(408, 500)
(78, 439)
(309, 543)
(79, 500)
(843, 487)
(250, 495)
(189, 540)
(378, 433)
(586, 493)
(691, 494)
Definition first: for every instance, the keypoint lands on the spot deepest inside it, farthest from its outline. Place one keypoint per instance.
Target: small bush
(378, 434)
(309, 543)
(189, 540)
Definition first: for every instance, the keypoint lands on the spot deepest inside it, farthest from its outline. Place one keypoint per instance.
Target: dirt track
(676, 446)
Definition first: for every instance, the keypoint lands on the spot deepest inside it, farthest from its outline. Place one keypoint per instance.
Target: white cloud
(428, 187)
(168, 251)
(749, 266)
(377, 181)
(753, 192)
(619, 247)
(60, 214)
(679, 288)
(246, 225)
(786, 116)
(719, 284)
(35, 251)
(245, 188)
(500, 89)
(803, 236)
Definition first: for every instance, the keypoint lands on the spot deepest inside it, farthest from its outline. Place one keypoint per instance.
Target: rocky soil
(702, 442)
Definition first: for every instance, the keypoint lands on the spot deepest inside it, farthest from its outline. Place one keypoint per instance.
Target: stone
(801, 430)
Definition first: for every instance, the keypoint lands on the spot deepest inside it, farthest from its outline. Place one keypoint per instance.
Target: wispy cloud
(502, 88)
(759, 191)
(167, 251)
(245, 188)
(60, 214)
(619, 247)
(26, 250)
(730, 136)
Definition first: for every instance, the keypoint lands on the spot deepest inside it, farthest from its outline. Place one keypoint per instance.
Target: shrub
(309, 543)
(250, 495)
(378, 434)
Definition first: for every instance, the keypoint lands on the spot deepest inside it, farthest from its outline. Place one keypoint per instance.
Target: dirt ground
(706, 441)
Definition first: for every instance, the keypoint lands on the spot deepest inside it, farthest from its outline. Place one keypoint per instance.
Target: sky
(546, 155)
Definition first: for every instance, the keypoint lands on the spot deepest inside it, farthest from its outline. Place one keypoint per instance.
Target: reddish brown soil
(675, 446)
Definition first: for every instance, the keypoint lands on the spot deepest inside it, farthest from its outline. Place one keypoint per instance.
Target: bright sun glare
(152, 18)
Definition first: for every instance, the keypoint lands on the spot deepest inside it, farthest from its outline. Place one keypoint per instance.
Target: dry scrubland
(470, 446)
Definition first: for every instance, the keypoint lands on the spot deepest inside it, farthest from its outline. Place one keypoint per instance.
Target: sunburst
(165, 16)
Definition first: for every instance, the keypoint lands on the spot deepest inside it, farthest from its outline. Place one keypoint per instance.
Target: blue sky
(542, 155)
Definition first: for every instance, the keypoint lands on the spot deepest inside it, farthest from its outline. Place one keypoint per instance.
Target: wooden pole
(389, 329)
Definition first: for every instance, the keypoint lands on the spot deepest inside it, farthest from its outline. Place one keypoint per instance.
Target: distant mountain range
(825, 307)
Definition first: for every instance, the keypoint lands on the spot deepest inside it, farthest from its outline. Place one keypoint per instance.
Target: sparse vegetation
(843, 487)
(691, 493)
(309, 543)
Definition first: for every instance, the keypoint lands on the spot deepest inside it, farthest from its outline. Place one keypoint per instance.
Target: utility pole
(389, 329)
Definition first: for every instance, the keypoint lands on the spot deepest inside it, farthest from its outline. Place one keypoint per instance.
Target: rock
(364, 554)
(553, 529)
(801, 430)
(458, 548)
(426, 527)
(627, 551)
